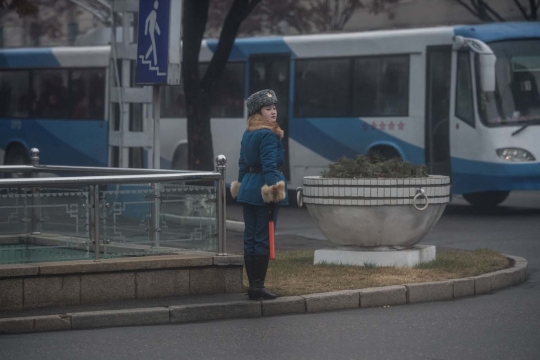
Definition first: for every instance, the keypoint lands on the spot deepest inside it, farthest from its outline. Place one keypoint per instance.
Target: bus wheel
(387, 152)
(17, 155)
(179, 161)
(486, 199)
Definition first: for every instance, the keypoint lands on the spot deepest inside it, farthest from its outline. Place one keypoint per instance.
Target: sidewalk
(228, 306)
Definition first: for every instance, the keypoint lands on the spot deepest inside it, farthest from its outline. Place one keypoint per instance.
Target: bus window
(464, 91)
(227, 100)
(322, 88)
(14, 86)
(173, 101)
(87, 94)
(381, 86)
(228, 95)
(51, 89)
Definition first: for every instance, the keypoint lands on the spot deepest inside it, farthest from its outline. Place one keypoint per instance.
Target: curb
(337, 300)
(237, 226)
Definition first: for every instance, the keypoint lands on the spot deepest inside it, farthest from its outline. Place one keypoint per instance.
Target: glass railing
(125, 213)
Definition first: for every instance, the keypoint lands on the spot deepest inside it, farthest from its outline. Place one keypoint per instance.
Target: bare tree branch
(522, 9)
(492, 11)
(469, 8)
(534, 10)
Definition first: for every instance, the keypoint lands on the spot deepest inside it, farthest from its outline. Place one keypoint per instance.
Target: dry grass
(293, 272)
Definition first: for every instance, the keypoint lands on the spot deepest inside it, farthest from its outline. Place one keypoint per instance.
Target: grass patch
(293, 272)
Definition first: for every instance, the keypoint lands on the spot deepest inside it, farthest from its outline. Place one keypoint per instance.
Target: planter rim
(368, 178)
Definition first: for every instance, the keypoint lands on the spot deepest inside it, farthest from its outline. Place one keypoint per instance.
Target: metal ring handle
(420, 192)
(299, 197)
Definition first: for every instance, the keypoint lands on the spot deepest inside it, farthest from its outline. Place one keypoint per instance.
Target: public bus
(464, 100)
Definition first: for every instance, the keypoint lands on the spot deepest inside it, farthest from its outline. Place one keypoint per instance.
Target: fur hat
(260, 99)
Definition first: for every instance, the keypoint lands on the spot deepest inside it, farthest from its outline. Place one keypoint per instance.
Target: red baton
(271, 234)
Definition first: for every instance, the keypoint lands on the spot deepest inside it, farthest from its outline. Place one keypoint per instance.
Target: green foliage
(374, 166)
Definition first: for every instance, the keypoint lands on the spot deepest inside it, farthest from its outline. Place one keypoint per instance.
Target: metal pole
(156, 114)
(36, 201)
(221, 161)
(156, 215)
(93, 195)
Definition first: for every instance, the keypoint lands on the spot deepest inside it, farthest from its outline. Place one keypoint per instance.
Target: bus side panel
(61, 142)
(476, 176)
(332, 138)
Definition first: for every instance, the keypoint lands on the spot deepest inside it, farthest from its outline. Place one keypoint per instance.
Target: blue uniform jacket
(261, 150)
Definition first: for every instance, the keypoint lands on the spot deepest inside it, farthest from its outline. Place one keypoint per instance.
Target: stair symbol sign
(153, 68)
(151, 29)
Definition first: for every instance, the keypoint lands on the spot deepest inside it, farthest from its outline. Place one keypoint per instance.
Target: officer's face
(269, 112)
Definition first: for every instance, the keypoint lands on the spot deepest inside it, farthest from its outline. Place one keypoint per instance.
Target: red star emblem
(382, 126)
(401, 125)
(391, 125)
(374, 125)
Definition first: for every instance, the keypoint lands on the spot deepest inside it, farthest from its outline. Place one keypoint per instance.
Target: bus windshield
(516, 100)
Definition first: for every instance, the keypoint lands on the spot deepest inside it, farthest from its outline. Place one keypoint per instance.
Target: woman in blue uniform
(261, 186)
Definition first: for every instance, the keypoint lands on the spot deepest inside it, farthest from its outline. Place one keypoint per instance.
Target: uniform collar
(257, 122)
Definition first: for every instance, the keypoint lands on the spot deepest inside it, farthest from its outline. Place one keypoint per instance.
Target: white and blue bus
(464, 100)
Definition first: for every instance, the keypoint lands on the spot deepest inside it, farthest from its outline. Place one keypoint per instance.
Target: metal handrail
(135, 176)
(109, 180)
(83, 169)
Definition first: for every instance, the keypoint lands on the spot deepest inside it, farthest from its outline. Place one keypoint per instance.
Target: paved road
(504, 325)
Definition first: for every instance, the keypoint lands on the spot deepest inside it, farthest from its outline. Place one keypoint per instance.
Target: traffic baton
(271, 233)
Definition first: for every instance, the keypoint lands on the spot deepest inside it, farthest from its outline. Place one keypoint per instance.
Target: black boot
(248, 263)
(260, 265)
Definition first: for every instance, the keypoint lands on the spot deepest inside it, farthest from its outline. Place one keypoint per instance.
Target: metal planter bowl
(376, 212)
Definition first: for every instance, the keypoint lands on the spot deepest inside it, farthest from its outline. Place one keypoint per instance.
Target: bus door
(438, 83)
(272, 72)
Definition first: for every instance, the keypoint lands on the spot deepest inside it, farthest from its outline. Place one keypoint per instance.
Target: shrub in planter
(374, 166)
(371, 202)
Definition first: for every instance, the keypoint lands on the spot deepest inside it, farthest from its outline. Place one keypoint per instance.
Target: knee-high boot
(260, 265)
(248, 263)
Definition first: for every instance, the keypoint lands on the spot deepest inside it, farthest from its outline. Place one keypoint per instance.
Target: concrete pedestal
(382, 256)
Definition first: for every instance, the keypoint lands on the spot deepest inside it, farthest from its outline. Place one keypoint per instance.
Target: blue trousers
(256, 238)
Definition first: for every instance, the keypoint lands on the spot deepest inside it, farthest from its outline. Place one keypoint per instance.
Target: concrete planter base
(408, 257)
(376, 212)
(85, 282)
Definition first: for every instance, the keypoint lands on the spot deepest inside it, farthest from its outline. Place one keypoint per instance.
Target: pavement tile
(16, 325)
(52, 291)
(383, 296)
(430, 291)
(11, 294)
(132, 317)
(205, 312)
(463, 287)
(345, 299)
(284, 305)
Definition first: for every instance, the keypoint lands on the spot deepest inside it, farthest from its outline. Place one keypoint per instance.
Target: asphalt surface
(503, 325)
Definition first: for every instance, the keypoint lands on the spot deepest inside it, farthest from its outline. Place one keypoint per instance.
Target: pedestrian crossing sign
(158, 42)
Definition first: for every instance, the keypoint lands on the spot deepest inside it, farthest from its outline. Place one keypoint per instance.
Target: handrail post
(156, 214)
(93, 196)
(221, 162)
(36, 201)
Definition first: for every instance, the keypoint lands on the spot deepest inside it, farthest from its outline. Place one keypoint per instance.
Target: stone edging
(237, 226)
(347, 299)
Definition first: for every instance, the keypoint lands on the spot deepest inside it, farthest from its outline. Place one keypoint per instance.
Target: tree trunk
(198, 102)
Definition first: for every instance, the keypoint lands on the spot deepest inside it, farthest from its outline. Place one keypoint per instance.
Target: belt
(259, 170)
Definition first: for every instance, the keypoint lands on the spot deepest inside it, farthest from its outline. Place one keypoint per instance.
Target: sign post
(158, 53)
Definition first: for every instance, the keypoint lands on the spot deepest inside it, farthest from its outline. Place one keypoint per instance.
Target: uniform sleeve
(268, 149)
(273, 189)
(242, 171)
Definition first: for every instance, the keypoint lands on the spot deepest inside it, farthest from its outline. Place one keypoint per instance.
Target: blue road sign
(153, 42)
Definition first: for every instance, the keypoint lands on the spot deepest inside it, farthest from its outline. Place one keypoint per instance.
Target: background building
(61, 22)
